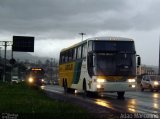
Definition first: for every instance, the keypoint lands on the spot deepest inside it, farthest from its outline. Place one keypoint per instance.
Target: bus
(35, 76)
(99, 64)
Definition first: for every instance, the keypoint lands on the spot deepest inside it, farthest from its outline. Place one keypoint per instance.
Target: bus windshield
(114, 58)
(114, 46)
(115, 64)
(36, 73)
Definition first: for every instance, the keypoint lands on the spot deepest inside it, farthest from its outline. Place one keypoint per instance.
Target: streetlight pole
(159, 58)
(0, 53)
(5, 47)
(5, 44)
(51, 68)
(82, 34)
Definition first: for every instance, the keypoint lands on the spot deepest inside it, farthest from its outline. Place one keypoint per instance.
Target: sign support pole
(4, 76)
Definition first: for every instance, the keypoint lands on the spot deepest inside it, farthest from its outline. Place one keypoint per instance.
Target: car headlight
(30, 80)
(101, 80)
(131, 80)
(156, 83)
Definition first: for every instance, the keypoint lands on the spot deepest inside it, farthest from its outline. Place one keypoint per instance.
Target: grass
(33, 103)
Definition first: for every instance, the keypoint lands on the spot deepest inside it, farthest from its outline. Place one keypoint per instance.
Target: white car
(151, 82)
(15, 79)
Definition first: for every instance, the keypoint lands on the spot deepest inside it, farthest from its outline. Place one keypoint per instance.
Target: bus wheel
(70, 90)
(93, 94)
(121, 95)
(84, 88)
(65, 85)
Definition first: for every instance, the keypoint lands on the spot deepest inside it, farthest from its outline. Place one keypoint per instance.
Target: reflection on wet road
(134, 102)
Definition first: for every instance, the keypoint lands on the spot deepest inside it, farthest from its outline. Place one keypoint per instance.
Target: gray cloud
(59, 16)
(56, 20)
(63, 19)
(148, 19)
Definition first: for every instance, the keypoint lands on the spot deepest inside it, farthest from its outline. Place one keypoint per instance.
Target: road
(134, 102)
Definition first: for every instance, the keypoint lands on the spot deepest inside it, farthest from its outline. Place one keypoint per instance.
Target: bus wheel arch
(84, 86)
(65, 85)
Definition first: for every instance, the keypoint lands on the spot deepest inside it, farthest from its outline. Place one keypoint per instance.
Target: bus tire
(70, 90)
(121, 95)
(65, 85)
(84, 87)
(92, 94)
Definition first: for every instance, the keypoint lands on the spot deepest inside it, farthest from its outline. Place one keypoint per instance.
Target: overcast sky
(55, 24)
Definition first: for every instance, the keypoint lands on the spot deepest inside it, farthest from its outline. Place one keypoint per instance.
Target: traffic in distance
(35, 76)
(151, 82)
(99, 64)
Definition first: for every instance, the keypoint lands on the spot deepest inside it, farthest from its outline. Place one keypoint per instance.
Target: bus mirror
(138, 61)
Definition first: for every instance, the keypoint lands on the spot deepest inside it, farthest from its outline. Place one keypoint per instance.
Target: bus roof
(108, 38)
(111, 38)
(77, 44)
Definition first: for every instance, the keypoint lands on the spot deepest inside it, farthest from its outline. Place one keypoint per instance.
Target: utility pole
(0, 53)
(5, 48)
(51, 68)
(159, 58)
(5, 44)
(82, 34)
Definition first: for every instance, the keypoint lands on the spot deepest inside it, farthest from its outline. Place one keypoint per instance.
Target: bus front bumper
(114, 87)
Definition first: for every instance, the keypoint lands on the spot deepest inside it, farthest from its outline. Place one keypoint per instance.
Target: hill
(24, 56)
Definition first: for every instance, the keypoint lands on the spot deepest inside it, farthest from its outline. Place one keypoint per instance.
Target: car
(151, 82)
(15, 79)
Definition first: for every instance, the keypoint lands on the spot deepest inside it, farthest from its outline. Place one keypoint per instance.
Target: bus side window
(90, 46)
(79, 53)
(74, 53)
(62, 58)
(66, 56)
(84, 50)
(70, 55)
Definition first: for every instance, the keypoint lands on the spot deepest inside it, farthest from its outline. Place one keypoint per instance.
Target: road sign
(23, 44)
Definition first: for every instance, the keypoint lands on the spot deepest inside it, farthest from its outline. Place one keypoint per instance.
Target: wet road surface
(134, 102)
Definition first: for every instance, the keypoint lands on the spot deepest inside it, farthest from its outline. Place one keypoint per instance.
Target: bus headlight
(101, 80)
(131, 80)
(133, 86)
(98, 86)
(156, 83)
(42, 80)
(30, 80)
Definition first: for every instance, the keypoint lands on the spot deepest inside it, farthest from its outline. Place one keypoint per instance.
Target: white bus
(99, 64)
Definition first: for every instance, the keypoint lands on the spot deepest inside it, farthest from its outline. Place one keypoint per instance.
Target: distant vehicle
(151, 82)
(15, 79)
(35, 76)
(100, 64)
(55, 82)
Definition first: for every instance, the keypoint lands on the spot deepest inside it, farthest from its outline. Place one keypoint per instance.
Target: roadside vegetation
(28, 102)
